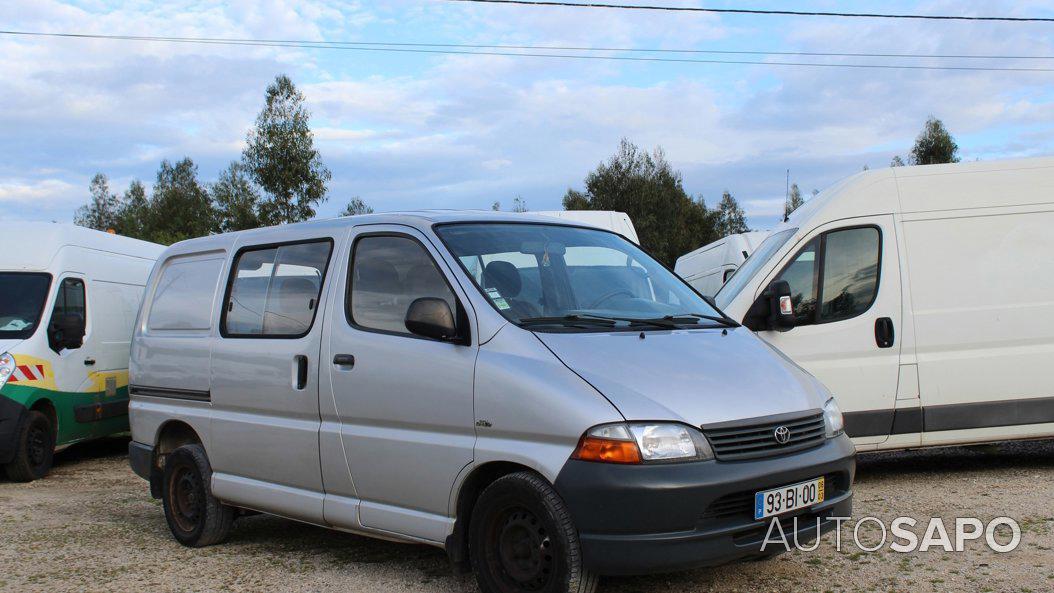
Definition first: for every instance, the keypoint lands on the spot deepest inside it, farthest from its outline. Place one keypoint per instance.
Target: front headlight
(643, 443)
(7, 366)
(832, 418)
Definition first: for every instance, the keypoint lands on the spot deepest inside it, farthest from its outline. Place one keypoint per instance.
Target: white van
(68, 301)
(921, 296)
(709, 267)
(542, 399)
(616, 222)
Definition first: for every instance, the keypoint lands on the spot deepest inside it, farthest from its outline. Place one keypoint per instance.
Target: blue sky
(430, 131)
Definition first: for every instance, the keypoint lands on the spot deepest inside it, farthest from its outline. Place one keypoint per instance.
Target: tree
(496, 206)
(669, 222)
(730, 217)
(101, 212)
(180, 207)
(281, 157)
(934, 145)
(897, 161)
(356, 207)
(235, 199)
(519, 205)
(134, 212)
(794, 200)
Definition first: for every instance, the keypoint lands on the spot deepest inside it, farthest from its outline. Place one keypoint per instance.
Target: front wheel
(35, 449)
(522, 538)
(195, 517)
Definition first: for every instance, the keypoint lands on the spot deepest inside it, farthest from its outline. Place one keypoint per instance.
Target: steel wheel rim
(521, 549)
(37, 446)
(185, 497)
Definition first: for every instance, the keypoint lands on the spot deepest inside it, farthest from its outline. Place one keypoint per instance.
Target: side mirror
(432, 318)
(66, 331)
(774, 309)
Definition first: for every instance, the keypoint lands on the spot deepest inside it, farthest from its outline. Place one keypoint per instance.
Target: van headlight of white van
(7, 366)
(832, 418)
(633, 443)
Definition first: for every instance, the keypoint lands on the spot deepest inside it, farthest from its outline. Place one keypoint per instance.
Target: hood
(8, 345)
(694, 376)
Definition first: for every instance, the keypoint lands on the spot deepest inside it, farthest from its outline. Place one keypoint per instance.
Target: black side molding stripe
(1016, 412)
(97, 412)
(190, 394)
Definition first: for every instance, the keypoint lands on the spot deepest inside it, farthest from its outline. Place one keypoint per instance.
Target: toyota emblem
(782, 434)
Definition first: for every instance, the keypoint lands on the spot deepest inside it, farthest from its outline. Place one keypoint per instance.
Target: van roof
(413, 218)
(33, 245)
(928, 188)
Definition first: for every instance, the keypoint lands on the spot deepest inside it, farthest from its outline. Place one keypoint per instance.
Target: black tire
(195, 517)
(522, 538)
(35, 449)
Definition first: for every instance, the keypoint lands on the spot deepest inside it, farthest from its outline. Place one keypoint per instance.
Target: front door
(845, 285)
(404, 402)
(264, 390)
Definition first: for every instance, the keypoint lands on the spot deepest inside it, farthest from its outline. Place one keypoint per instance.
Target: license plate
(788, 498)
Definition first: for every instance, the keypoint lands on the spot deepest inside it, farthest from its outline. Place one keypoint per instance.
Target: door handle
(345, 361)
(884, 332)
(301, 371)
(89, 362)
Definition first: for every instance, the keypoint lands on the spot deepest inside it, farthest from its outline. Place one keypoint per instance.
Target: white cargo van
(617, 222)
(68, 301)
(709, 267)
(542, 399)
(921, 296)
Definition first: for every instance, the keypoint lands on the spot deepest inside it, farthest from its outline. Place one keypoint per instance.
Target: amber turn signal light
(592, 448)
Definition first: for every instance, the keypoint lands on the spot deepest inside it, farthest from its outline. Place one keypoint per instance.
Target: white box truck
(923, 297)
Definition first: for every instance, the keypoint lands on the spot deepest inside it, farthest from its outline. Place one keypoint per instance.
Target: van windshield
(750, 267)
(22, 297)
(540, 275)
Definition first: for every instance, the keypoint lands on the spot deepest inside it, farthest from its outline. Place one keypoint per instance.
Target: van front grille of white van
(760, 440)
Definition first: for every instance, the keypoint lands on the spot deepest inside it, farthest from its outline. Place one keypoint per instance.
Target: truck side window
(838, 270)
(68, 319)
(803, 276)
(387, 274)
(275, 290)
(850, 273)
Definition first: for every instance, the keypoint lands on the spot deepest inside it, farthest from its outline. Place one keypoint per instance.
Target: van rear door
(846, 290)
(265, 413)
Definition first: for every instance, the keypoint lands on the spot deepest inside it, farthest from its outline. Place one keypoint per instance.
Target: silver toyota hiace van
(543, 400)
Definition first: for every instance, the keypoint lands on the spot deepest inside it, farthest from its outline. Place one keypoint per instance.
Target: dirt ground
(92, 526)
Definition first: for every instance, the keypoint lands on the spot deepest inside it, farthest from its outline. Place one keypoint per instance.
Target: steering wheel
(608, 296)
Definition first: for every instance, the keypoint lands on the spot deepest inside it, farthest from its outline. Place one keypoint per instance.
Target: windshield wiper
(676, 321)
(570, 320)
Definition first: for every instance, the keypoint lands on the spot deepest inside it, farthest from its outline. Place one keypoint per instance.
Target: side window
(68, 319)
(184, 295)
(803, 274)
(850, 273)
(274, 290)
(387, 274)
(835, 276)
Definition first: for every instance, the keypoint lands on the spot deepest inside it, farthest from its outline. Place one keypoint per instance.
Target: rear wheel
(35, 449)
(195, 517)
(522, 538)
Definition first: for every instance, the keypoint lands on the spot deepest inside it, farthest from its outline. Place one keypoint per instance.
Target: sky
(407, 131)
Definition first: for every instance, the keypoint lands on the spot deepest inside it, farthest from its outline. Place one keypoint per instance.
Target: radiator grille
(759, 440)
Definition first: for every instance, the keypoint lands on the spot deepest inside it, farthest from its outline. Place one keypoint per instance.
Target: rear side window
(183, 297)
(835, 276)
(274, 290)
(388, 273)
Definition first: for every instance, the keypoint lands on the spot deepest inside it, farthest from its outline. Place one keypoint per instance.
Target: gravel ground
(92, 526)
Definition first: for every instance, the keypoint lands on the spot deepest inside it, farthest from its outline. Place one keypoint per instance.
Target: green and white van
(68, 301)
